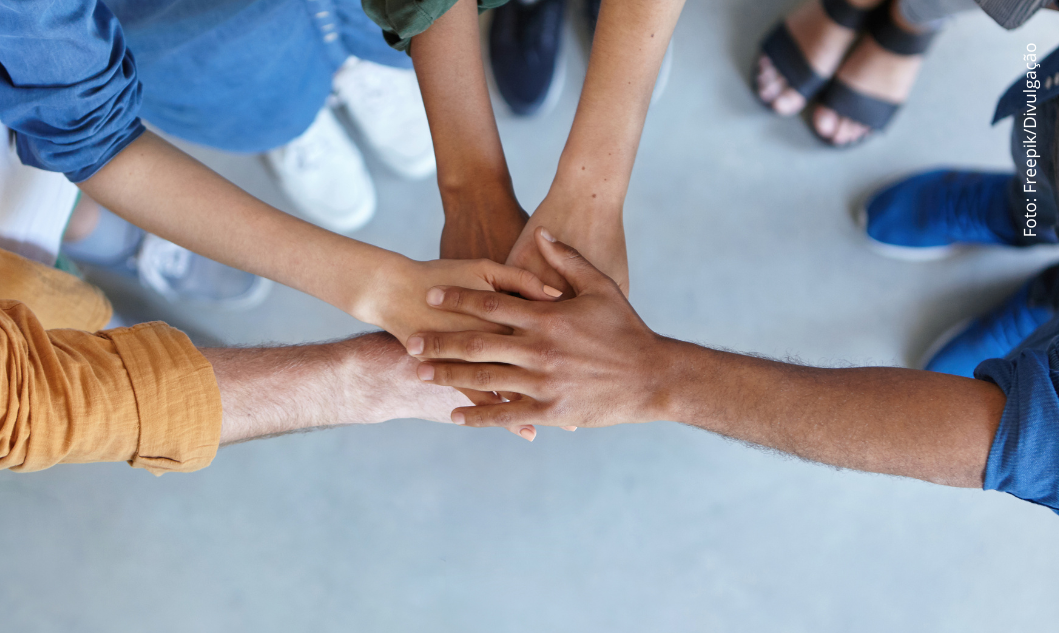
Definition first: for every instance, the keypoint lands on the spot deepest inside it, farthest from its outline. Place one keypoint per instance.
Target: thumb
(572, 265)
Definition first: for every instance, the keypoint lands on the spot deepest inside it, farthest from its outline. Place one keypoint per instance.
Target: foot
(524, 43)
(386, 106)
(323, 174)
(926, 215)
(821, 40)
(998, 332)
(872, 71)
(176, 273)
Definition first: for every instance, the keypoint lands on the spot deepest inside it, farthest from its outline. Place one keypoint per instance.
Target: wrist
(474, 181)
(679, 375)
(368, 301)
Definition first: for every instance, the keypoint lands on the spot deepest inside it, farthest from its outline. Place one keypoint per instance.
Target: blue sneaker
(926, 216)
(524, 41)
(996, 333)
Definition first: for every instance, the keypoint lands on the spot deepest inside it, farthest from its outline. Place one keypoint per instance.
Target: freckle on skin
(593, 195)
(582, 168)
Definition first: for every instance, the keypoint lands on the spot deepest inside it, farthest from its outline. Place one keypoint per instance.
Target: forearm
(926, 425)
(448, 63)
(363, 380)
(629, 44)
(163, 190)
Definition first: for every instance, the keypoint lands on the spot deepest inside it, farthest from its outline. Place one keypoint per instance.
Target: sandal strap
(844, 13)
(895, 39)
(847, 102)
(783, 52)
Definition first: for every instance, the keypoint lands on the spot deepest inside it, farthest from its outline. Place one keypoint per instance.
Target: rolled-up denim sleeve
(1024, 458)
(68, 84)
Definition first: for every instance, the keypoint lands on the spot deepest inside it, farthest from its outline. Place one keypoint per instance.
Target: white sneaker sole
(903, 253)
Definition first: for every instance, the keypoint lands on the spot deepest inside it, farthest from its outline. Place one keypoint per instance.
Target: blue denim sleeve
(68, 84)
(1024, 458)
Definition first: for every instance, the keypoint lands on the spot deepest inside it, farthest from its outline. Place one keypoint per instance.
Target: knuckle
(475, 346)
(503, 417)
(455, 298)
(442, 374)
(483, 377)
(435, 345)
(491, 302)
(549, 357)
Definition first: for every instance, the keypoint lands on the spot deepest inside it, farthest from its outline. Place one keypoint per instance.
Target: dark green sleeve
(401, 20)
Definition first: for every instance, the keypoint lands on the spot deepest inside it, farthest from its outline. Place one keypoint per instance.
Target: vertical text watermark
(1029, 140)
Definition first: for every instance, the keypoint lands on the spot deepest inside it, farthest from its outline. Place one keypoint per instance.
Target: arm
(591, 361)
(482, 216)
(363, 380)
(584, 205)
(145, 395)
(163, 190)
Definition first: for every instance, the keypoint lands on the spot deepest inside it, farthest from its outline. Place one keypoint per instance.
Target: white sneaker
(323, 174)
(184, 277)
(387, 108)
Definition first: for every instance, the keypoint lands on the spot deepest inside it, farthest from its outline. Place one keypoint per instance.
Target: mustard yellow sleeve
(142, 394)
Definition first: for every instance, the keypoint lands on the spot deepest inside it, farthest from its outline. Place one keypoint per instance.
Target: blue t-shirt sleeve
(68, 84)
(1024, 458)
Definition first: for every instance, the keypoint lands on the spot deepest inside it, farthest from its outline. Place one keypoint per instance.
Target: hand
(597, 233)
(484, 225)
(395, 301)
(588, 361)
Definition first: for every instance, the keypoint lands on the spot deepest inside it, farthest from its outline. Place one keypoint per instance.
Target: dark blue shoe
(996, 333)
(927, 215)
(524, 44)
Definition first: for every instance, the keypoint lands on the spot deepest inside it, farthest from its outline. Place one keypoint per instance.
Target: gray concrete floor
(739, 236)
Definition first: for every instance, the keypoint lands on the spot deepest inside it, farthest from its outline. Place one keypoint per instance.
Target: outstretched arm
(591, 361)
(482, 216)
(584, 205)
(163, 190)
(363, 380)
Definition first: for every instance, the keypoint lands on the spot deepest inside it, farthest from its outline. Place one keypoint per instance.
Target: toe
(849, 131)
(769, 82)
(825, 122)
(789, 102)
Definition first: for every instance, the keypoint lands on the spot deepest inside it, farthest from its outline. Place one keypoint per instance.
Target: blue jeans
(243, 75)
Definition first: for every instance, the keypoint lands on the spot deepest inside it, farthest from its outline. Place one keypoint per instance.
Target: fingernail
(415, 345)
(435, 296)
(425, 372)
(552, 292)
(527, 434)
(546, 235)
(457, 418)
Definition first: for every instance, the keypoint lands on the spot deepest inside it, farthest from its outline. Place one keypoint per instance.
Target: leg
(821, 39)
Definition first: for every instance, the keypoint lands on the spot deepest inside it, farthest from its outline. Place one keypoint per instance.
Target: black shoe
(524, 53)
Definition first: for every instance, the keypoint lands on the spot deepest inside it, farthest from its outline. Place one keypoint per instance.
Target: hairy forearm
(363, 380)
(926, 425)
(627, 50)
(163, 190)
(448, 63)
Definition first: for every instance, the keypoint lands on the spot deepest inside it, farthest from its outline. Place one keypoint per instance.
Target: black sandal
(866, 110)
(781, 49)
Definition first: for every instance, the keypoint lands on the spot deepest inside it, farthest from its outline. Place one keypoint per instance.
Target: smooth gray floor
(739, 236)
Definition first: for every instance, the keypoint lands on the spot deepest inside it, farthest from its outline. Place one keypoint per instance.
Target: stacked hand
(588, 361)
